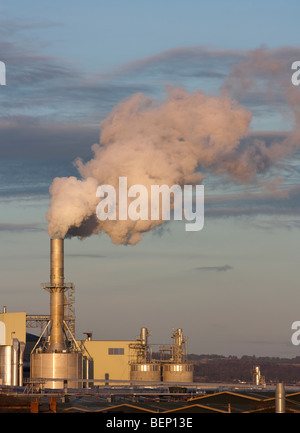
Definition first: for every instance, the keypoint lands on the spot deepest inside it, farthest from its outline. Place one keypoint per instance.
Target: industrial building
(12, 346)
(124, 375)
(59, 360)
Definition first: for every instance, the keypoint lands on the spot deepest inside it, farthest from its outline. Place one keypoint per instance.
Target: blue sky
(233, 287)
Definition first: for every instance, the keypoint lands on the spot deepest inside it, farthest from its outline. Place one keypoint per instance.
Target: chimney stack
(58, 358)
(57, 295)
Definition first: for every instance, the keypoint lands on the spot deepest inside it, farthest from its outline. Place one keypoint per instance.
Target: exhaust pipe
(57, 298)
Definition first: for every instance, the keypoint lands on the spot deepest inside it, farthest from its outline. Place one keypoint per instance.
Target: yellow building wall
(15, 326)
(110, 358)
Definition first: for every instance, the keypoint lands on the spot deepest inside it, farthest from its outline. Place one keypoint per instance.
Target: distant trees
(216, 368)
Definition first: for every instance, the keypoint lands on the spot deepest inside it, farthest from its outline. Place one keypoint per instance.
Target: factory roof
(225, 396)
(9, 403)
(195, 408)
(220, 402)
(247, 402)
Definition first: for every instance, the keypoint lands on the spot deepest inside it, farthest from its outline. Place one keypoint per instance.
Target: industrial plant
(58, 360)
(115, 375)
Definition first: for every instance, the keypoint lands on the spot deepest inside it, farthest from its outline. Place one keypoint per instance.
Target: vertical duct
(57, 337)
(15, 362)
(280, 398)
(144, 336)
(21, 362)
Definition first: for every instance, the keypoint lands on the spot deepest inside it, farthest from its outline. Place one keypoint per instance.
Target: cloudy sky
(233, 287)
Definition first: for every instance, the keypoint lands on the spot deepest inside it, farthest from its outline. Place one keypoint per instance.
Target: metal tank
(5, 365)
(54, 366)
(178, 372)
(177, 368)
(148, 372)
(11, 363)
(59, 357)
(141, 367)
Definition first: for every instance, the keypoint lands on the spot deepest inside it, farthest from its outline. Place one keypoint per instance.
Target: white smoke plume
(149, 143)
(172, 142)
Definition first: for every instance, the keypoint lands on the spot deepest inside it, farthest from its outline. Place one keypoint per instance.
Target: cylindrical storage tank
(63, 366)
(5, 365)
(148, 371)
(178, 372)
(15, 362)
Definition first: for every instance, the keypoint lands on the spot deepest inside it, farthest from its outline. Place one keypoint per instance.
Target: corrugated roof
(195, 408)
(225, 395)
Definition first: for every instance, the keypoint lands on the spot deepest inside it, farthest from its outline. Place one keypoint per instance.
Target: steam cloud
(172, 142)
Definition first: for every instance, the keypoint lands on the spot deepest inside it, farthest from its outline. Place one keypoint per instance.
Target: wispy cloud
(214, 268)
(87, 256)
(53, 106)
(23, 227)
(53, 111)
(281, 201)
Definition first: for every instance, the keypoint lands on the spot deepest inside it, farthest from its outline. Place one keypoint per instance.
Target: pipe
(57, 262)
(144, 336)
(280, 398)
(21, 362)
(57, 298)
(15, 362)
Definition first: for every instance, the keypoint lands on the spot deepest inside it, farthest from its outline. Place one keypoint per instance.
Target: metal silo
(5, 364)
(150, 371)
(174, 372)
(177, 368)
(11, 363)
(142, 368)
(59, 357)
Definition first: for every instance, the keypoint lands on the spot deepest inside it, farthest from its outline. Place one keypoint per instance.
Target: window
(116, 351)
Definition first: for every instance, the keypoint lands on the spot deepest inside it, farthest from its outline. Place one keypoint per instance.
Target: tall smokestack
(57, 337)
(57, 262)
(61, 359)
